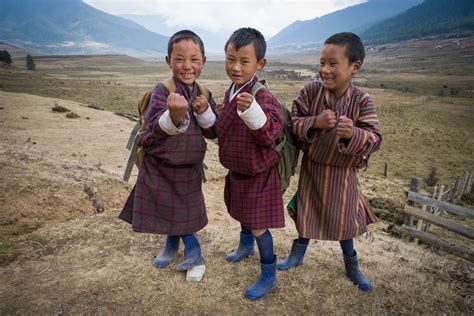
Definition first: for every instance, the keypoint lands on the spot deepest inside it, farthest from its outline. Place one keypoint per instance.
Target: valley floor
(59, 255)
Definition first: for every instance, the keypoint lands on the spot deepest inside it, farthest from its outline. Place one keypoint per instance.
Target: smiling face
(242, 64)
(335, 69)
(186, 61)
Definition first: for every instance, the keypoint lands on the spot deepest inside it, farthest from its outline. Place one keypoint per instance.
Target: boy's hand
(200, 104)
(219, 108)
(244, 100)
(178, 106)
(326, 120)
(345, 128)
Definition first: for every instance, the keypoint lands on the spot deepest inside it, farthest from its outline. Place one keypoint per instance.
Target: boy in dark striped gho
(167, 198)
(247, 127)
(338, 126)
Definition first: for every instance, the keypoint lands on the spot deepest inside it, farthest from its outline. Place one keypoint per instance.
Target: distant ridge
(73, 27)
(355, 18)
(432, 17)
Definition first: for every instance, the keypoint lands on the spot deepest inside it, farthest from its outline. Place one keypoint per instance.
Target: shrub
(30, 63)
(432, 177)
(5, 56)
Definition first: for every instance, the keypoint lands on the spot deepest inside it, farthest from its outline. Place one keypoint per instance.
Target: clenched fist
(178, 107)
(345, 128)
(244, 100)
(200, 104)
(326, 120)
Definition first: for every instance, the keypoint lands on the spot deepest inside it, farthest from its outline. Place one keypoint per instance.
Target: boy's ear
(168, 61)
(203, 60)
(261, 63)
(356, 67)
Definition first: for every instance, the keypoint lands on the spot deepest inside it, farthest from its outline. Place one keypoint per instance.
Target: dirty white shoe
(196, 273)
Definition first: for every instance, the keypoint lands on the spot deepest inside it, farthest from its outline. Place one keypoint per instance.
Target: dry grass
(58, 256)
(96, 264)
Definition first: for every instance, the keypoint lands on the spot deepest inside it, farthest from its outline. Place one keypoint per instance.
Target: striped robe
(252, 187)
(330, 205)
(167, 198)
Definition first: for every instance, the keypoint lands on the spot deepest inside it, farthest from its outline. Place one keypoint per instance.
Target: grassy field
(59, 256)
(423, 90)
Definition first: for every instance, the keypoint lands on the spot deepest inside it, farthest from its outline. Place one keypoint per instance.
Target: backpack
(136, 151)
(287, 145)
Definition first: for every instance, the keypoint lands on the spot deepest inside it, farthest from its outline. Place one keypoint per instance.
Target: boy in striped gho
(339, 129)
(167, 198)
(246, 129)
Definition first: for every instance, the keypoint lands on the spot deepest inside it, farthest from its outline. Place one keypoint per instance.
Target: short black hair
(246, 36)
(354, 48)
(185, 35)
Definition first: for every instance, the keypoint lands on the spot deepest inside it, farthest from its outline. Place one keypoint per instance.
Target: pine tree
(30, 64)
(5, 56)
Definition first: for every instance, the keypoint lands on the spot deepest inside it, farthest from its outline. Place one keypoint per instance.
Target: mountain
(73, 27)
(214, 41)
(355, 18)
(429, 18)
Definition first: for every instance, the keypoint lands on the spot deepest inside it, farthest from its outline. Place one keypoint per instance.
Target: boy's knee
(258, 232)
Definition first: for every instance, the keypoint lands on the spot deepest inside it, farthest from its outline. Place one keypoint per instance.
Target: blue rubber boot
(245, 249)
(169, 252)
(352, 271)
(266, 283)
(295, 258)
(192, 253)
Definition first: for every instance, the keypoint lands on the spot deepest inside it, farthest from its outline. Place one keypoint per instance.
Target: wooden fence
(431, 212)
(463, 185)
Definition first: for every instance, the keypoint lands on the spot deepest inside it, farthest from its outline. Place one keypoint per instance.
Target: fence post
(415, 186)
(434, 210)
(458, 189)
(430, 209)
(469, 183)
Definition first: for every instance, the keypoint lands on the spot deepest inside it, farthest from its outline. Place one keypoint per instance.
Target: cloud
(268, 16)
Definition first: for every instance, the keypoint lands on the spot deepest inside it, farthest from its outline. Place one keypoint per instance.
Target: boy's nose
(324, 69)
(236, 67)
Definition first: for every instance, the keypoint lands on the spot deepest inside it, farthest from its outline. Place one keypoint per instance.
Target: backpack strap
(131, 159)
(170, 85)
(203, 90)
(132, 143)
(257, 86)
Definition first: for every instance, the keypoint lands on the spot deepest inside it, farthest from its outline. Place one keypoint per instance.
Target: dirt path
(58, 255)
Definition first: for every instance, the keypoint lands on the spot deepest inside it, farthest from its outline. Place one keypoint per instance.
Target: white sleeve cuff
(166, 124)
(253, 117)
(207, 118)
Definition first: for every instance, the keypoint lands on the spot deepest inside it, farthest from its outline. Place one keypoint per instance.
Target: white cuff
(207, 118)
(253, 117)
(166, 124)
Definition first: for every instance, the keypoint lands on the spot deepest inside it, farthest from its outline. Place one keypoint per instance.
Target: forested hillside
(429, 18)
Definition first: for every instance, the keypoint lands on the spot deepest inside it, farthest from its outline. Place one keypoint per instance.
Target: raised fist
(178, 107)
(326, 120)
(345, 128)
(200, 104)
(244, 100)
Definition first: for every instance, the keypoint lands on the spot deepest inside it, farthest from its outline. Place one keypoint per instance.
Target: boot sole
(363, 290)
(254, 298)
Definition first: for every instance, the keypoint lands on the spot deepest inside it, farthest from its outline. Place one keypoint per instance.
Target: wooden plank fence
(431, 212)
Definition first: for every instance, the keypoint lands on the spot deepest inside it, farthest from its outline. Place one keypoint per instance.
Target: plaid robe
(330, 205)
(252, 186)
(167, 198)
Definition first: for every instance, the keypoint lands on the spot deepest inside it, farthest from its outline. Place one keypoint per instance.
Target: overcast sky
(268, 16)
